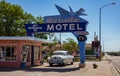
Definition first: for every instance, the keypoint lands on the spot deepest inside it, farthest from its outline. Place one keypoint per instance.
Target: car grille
(56, 60)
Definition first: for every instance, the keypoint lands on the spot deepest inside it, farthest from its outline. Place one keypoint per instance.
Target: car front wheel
(51, 64)
(72, 62)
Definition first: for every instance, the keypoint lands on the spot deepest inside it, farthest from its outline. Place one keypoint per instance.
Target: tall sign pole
(100, 12)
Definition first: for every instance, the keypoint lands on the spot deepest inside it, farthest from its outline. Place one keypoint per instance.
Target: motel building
(20, 51)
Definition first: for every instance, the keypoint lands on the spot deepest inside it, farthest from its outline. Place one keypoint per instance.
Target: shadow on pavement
(51, 69)
(7, 69)
(42, 69)
(54, 68)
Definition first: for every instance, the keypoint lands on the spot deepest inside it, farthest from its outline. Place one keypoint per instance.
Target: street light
(100, 21)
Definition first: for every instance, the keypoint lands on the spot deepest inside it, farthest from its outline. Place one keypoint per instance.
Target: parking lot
(45, 70)
(105, 68)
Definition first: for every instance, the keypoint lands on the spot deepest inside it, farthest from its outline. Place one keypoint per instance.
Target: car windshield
(58, 53)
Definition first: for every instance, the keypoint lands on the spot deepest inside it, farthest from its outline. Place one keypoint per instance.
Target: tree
(70, 45)
(12, 19)
(39, 20)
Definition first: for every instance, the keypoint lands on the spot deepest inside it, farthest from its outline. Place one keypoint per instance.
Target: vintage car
(61, 58)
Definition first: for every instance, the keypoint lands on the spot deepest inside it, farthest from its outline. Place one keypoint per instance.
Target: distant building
(88, 46)
(53, 48)
(57, 47)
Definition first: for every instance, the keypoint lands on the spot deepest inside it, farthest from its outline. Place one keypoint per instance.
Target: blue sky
(110, 17)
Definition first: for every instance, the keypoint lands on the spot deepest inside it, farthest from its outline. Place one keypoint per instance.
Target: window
(59, 53)
(7, 52)
(36, 52)
(2, 53)
(26, 53)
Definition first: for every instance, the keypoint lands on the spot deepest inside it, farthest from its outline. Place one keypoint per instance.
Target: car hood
(61, 56)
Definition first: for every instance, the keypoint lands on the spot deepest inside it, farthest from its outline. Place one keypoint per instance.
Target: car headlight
(64, 59)
(48, 58)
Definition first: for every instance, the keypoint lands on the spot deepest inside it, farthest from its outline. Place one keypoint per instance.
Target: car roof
(63, 51)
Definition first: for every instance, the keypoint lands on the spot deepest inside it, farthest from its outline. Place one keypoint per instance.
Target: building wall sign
(82, 38)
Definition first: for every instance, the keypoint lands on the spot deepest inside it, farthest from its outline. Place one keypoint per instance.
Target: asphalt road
(116, 61)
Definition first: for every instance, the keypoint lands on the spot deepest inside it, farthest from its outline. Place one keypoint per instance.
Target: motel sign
(65, 22)
(56, 27)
